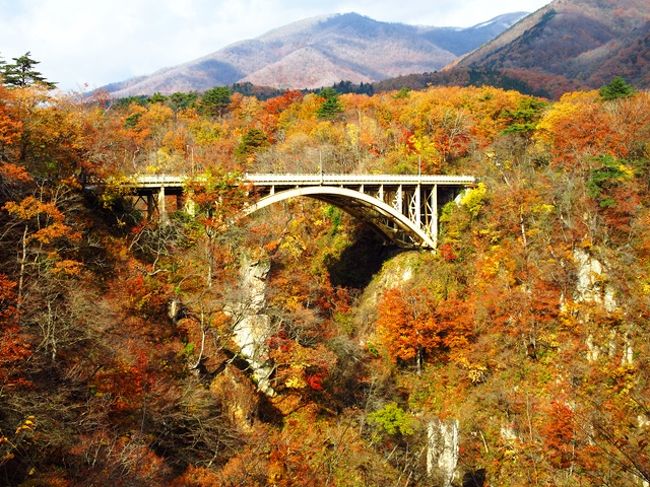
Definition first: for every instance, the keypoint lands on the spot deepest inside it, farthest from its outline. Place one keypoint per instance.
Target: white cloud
(96, 42)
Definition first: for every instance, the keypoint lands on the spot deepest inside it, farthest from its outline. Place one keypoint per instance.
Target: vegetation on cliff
(528, 326)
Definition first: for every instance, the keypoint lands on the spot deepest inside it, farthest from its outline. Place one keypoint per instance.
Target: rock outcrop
(442, 450)
(252, 327)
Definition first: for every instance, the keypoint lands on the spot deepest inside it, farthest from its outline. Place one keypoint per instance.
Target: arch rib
(340, 196)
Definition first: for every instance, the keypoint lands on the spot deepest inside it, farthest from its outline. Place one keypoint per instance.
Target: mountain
(461, 41)
(571, 44)
(320, 51)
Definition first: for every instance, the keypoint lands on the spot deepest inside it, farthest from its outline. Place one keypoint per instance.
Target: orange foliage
(53, 226)
(411, 322)
(13, 174)
(14, 345)
(127, 383)
(577, 126)
(201, 477)
(10, 124)
(559, 433)
(280, 103)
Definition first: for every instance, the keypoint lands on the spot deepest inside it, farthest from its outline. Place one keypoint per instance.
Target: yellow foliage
(352, 130)
(474, 199)
(569, 105)
(68, 267)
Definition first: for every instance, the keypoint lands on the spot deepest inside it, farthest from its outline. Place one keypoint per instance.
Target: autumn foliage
(123, 340)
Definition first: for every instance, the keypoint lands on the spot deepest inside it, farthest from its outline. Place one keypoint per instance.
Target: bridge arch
(389, 221)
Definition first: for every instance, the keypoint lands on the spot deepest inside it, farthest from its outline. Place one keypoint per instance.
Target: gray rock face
(442, 452)
(591, 286)
(252, 327)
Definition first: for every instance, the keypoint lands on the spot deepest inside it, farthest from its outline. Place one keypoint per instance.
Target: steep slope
(629, 57)
(587, 41)
(320, 51)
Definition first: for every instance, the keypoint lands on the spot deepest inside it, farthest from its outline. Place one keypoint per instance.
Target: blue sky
(84, 44)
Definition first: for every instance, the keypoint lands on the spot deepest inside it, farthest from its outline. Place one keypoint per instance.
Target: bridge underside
(407, 218)
(401, 235)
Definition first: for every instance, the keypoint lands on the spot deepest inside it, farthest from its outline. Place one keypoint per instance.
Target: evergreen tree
(157, 97)
(252, 141)
(617, 88)
(22, 73)
(331, 106)
(181, 101)
(215, 101)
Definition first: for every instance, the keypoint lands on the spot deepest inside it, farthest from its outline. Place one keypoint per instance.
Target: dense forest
(294, 347)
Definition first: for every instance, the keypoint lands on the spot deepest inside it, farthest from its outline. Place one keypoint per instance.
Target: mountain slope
(572, 41)
(320, 51)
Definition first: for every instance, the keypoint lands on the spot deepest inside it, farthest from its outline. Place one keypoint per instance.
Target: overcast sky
(87, 43)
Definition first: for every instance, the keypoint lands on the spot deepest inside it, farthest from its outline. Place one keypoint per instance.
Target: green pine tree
(331, 106)
(22, 73)
(215, 101)
(617, 88)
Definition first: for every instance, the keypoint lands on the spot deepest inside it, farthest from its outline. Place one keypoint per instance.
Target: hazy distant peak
(320, 51)
(295, 27)
(504, 19)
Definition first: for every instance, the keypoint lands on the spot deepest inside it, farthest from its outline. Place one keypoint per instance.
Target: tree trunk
(21, 278)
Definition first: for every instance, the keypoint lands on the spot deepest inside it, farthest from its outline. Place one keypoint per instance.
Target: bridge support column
(399, 199)
(151, 207)
(162, 210)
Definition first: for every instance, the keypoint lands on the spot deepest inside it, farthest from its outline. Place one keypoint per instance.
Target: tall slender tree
(21, 73)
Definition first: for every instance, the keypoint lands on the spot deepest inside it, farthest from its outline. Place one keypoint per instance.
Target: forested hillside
(572, 44)
(293, 348)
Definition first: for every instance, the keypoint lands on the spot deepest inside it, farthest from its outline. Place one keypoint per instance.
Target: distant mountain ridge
(321, 51)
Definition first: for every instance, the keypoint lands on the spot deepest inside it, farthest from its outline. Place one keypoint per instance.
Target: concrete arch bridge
(405, 209)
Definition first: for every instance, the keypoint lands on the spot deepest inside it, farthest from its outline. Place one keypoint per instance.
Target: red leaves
(7, 300)
(14, 345)
(280, 103)
(127, 383)
(447, 252)
(14, 174)
(315, 381)
(410, 321)
(145, 294)
(577, 126)
(559, 434)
